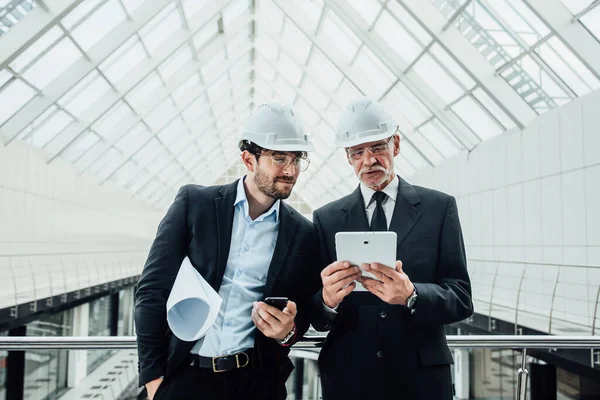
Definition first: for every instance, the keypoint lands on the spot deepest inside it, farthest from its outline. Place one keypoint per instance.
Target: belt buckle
(214, 364)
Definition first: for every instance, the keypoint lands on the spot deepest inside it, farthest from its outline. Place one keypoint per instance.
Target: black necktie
(378, 222)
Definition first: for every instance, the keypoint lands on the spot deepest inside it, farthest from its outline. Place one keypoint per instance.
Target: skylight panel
(41, 45)
(440, 137)
(140, 180)
(425, 147)
(211, 67)
(348, 91)
(209, 31)
(408, 22)
(405, 168)
(179, 140)
(241, 39)
(122, 61)
(133, 139)
(107, 164)
(476, 118)
(148, 152)
(320, 67)
(287, 93)
(311, 91)
(85, 94)
(568, 66)
(81, 145)
(444, 59)
(308, 115)
(80, 12)
(132, 5)
(141, 93)
(92, 154)
(196, 108)
(493, 108)
(175, 62)
(576, 6)
(119, 112)
(191, 7)
(591, 20)
(98, 25)
(339, 33)
(398, 38)
(289, 69)
(160, 28)
(266, 47)
(332, 114)
(49, 129)
(125, 174)
(234, 10)
(161, 114)
(375, 71)
(5, 76)
(299, 44)
(520, 19)
(218, 88)
(312, 9)
(437, 78)
(404, 102)
(52, 64)
(413, 156)
(12, 97)
(186, 87)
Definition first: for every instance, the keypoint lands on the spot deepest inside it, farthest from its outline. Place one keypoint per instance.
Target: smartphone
(277, 302)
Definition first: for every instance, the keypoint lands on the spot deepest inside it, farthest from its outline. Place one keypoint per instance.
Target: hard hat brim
(362, 140)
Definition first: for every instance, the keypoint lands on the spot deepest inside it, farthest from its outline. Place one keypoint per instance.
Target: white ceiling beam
(478, 67)
(427, 95)
(32, 27)
(575, 36)
(103, 49)
(144, 69)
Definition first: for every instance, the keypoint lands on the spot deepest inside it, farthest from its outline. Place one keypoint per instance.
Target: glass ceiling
(148, 95)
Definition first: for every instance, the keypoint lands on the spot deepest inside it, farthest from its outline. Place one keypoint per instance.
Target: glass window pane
(403, 101)
(38, 47)
(140, 95)
(175, 62)
(413, 156)
(88, 157)
(190, 84)
(321, 68)
(82, 144)
(125, 174)
(84, 94)
(133, 139)
(339, 33)
(568, 66)
(285, 91)
(375, 70)
(450, 64)
(494, 109)
(160, 28)
(210, 67)
(433, 74)
(440, 138)
(398, 38)
(206, 33)
(52, 64)
(309, 116)
(148, 152)
(266, 47)
(241, 40)
(234, 10)
(49, 128)
(300, 45)
(311, 91)
(172, 131)
(520, 19)
(348, 91)
(191, 7)
(161, 114)
(99, 24)
(312, 8)
(425, 147)
(14, 96)
(591, 21)
(83, 9)
(132, 5)
(5, 76)
(408, 22)
(289, 69)
(477, 119)
(105, 126)
(576, 6)
(366, 9)
(118, 64)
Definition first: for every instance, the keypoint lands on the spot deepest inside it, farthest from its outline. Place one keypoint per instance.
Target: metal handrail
(17, 343)
(519, 342)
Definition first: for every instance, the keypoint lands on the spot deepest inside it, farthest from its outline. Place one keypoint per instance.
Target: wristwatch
(289, 336)
(411, 301)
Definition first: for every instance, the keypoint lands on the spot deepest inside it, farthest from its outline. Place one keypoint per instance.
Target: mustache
(372, 168)
(285, 179)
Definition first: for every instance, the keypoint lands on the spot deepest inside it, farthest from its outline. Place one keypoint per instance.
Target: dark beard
(269, 187)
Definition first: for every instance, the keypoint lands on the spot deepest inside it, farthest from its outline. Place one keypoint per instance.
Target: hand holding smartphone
(278, 302)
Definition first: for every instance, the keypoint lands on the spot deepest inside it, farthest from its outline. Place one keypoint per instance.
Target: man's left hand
(393, 287)
(272, 322)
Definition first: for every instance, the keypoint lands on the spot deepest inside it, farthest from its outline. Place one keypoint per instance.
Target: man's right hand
(152, 387)
(338, 282)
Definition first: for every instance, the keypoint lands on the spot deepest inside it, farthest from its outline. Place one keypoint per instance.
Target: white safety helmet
(274, 126)
(364, 121)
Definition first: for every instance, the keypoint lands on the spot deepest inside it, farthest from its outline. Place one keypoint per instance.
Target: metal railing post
(522, 375)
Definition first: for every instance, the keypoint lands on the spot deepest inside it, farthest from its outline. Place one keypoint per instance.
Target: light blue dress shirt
(250, 254)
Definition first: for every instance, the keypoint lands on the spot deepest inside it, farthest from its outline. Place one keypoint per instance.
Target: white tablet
(366, 247)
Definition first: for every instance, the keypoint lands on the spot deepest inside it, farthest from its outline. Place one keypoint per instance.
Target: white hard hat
(364, 121)
(274, 126)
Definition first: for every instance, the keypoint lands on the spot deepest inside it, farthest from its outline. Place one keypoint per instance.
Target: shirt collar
(391, 190)
(241, 198)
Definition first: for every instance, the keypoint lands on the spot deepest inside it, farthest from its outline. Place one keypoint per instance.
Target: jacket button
(383, 314)
(379, 354)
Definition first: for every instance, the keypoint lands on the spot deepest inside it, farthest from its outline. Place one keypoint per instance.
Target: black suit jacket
(388, 351)
(199, 225)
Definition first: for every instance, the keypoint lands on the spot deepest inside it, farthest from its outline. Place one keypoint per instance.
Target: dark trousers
(202, 383)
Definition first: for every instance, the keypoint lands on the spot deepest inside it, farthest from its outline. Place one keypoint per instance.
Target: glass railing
(314, 342)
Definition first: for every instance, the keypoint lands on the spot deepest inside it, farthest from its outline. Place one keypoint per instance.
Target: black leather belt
(222, 363)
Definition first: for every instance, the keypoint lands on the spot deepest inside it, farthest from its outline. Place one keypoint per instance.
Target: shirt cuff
(331, 310)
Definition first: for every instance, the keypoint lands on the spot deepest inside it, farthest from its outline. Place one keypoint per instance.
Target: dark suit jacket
(198, 225)
(388, 351)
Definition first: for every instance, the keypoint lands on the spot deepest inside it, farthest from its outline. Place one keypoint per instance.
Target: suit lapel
(355, 218)
(406, 214)
(224, 209)
(287, 229)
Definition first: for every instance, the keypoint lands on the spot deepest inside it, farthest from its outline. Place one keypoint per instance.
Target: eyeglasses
(283, 161)
(357, 154)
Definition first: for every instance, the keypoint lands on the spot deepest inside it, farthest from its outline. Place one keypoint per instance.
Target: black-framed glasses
(283, 161)
(357, 154)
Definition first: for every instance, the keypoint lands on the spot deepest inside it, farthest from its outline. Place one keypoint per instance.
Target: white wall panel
(540, 213)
